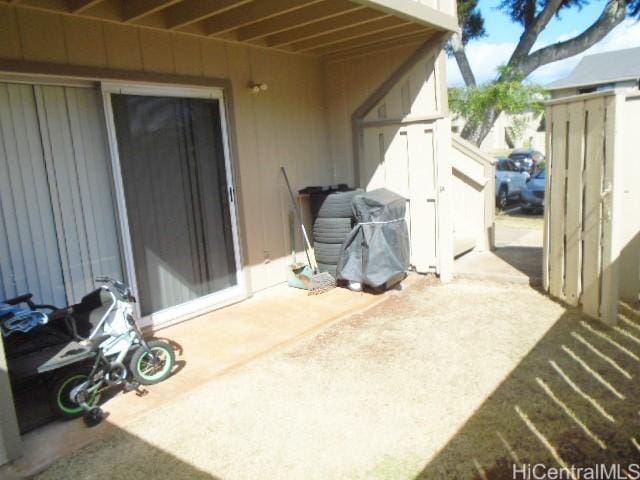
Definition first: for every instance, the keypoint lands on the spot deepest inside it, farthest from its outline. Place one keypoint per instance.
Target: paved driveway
(453, 381)
(518, 254)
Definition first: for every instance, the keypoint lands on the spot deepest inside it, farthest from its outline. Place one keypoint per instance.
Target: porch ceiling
(315, 27)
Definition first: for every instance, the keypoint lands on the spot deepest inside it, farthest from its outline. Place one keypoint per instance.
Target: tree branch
(530, 34)
(523, 63)
(612, 15)
(461, 59)
(529, 13)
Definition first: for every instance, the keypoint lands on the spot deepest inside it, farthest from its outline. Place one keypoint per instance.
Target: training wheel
(93, 417)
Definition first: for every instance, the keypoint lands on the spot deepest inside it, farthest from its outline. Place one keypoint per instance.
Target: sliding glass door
(178, 197)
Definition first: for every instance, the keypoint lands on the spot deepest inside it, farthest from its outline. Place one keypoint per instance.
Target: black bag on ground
(376, 252)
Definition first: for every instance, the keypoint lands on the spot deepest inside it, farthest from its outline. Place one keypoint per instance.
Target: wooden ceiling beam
(78, 6)
(251, 13)
(415, 11)
(367, 29)
(191, 11)
(52, 5)
(322, 27)
(397, 32)
(304, 16)
(133, 10)
(380, 46)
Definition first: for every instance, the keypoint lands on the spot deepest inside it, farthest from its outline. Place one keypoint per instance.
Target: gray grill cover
(376, 252)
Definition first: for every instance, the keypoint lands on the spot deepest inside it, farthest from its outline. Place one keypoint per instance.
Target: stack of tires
(333, 220)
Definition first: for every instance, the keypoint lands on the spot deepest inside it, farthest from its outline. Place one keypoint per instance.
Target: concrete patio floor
(438, 381)
(206, 347)
(517, 257)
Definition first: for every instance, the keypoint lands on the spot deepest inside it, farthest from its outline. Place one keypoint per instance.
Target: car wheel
(503, 197)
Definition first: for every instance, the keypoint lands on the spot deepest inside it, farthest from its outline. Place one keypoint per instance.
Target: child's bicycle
(106, 349)
(115, 340)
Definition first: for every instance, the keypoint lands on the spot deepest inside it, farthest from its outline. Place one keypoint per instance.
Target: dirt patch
(394, 306)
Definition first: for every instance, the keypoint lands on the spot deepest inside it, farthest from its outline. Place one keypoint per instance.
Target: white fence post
(612, 199)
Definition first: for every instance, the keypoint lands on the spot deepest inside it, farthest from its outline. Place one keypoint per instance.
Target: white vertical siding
(57, 219)
(76, 157)
(29, 259)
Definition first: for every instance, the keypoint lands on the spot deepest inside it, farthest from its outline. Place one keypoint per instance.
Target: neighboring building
(601, 71)
(144, 139)
(509, 131)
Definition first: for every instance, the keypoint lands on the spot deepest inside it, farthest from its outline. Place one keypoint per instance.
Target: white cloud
(486, 57)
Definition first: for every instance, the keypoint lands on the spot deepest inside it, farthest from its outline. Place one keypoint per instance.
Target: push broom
(316, 282)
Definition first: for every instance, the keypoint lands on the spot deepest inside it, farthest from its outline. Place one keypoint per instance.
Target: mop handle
(299, 216)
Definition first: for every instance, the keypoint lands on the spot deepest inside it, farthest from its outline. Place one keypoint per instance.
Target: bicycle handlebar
(120, 287)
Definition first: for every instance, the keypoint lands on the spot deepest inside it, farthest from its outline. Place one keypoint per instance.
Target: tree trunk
(461, 59)
(524, 63)
(478, 132)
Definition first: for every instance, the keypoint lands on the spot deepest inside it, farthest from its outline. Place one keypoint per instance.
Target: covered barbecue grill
(376, 252)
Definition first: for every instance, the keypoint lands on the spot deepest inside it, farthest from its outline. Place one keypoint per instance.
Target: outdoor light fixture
(258, 87)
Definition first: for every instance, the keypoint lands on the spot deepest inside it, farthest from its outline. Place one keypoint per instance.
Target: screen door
(176, 189)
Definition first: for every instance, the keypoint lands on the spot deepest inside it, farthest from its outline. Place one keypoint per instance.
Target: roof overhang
(592, 83)
(315, 27)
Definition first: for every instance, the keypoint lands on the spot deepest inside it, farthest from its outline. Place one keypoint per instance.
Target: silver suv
(526, 159)
(510, 181)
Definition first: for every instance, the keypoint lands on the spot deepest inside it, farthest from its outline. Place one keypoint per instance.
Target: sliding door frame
(207, 302)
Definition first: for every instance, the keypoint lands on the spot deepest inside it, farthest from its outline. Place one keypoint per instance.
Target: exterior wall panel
(347, 84)
(285, 125)
(473, 195)
(122, 45)
(42, 36)
(403, 139)
(85, 43)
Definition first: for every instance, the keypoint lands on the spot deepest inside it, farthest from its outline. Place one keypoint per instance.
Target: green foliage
(509, 94)
(524, 11)
(470, 20)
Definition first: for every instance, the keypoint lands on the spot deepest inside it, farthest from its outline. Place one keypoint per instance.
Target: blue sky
(487, 53)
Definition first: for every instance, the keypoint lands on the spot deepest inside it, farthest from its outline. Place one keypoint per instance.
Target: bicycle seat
(90, 311)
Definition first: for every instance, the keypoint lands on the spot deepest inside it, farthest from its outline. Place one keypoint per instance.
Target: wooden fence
(584, 200)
